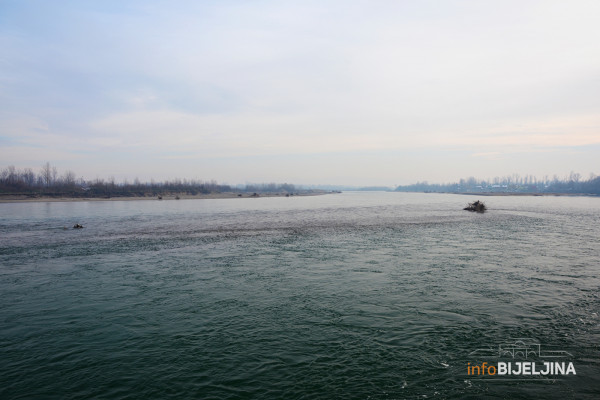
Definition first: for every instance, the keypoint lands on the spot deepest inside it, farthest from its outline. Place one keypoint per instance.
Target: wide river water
(353, 295)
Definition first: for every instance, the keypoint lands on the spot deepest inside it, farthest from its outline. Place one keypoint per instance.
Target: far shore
(167, 197)
(524, 194)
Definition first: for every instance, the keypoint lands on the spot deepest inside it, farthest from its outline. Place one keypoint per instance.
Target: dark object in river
(77, 226)
(477, 206)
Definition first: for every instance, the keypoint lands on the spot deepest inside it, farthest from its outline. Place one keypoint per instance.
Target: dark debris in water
(476, 206)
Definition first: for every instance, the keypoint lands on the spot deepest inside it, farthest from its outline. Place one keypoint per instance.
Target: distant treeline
(49, 182)
(513, 184)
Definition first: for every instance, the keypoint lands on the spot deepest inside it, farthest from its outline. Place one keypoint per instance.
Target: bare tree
(29, 177)
(11, 175)
(574, 176)
(68, 178)
(54, 174)
(47, 174)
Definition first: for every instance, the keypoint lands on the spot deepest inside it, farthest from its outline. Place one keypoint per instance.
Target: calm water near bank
(353, 295)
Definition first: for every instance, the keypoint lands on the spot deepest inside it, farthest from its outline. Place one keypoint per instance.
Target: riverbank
(164, 197)
(524, 194)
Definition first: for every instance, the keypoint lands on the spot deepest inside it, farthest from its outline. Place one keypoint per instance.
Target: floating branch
(477, 206)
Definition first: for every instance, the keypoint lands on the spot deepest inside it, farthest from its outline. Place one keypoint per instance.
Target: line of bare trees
(13, 179)
(572, 183)
(48, 181)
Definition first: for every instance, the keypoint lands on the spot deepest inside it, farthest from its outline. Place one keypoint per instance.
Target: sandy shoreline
(227, 195)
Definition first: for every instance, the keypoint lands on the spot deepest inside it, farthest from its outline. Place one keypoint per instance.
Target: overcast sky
(340, 92)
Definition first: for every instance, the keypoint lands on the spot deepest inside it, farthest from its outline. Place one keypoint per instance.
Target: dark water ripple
(376, 296)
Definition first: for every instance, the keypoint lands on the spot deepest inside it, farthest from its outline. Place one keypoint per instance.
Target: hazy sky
(341, 92)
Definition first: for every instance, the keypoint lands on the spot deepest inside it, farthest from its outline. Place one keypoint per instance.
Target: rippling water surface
(353, 295)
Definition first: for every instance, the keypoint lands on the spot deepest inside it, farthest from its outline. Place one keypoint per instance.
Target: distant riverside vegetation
(48, 182)
(513, 184)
